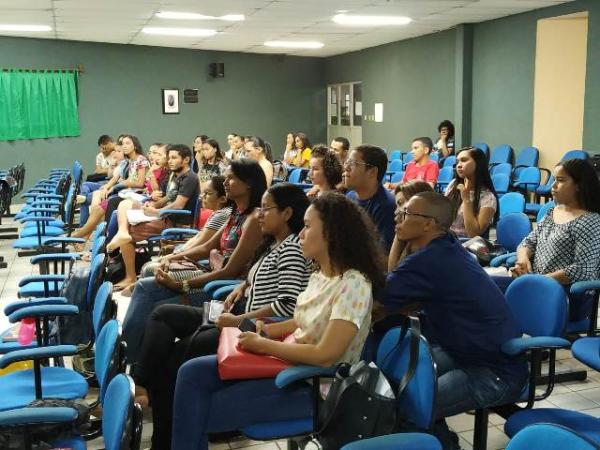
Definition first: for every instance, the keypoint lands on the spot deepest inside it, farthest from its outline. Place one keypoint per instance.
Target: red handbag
(237, 364)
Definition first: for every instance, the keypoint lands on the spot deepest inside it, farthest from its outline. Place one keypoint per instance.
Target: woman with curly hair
(325, 171)
(330, 325)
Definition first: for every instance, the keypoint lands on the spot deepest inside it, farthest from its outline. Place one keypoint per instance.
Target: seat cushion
(581, 423)
(587, 350)
(279, 429)
(75, 443)
(404, 441)
(49, 231)
(36, 289)
(17, 388)
(55, 223)
(26, 243)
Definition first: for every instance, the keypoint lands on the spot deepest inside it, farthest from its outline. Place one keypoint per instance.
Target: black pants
(161, 356)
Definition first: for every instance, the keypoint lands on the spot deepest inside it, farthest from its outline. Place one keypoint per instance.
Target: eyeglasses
(404, 213)
(261, 211)
(352, 163)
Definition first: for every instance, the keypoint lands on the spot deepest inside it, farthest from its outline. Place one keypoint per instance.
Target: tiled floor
(581, 396)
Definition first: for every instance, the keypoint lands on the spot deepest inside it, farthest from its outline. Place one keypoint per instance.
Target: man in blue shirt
(363, 172)
(467, 318)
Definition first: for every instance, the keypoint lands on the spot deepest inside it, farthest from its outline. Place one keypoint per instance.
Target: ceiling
(121, 21)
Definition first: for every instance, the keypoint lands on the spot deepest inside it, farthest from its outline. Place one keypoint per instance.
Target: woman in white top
(291, 152)
(472, 194)
(259, 150)
(330, 325)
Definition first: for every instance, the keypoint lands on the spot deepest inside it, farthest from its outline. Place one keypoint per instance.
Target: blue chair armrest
(43, 278)
(41, 219)
(15, 306)
(179, 212)
(55, 257)
(223, 292)
(24, 416)
(581, 286)
(54, 196)
(518, 346)
(54, 351)
(43, 311)
(63, 239)
(302, 372)
(180, 231)
(507, 258)
(42, 209)
(212, 286)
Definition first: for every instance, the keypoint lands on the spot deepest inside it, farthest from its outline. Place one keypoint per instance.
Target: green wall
(414, 79)
(120, 91)
(503, 76)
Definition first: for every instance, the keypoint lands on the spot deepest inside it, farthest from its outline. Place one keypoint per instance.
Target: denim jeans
(147, 295)
(461, 389)
(87, 189)
(206, 404)
(113, 227)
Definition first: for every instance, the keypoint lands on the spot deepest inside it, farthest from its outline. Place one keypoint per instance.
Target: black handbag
(356, 406)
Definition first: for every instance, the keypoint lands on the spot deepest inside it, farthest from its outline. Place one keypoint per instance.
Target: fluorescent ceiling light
(193, 16)
(9, 27)
(192, 32)
(347, 19)
(293, 44)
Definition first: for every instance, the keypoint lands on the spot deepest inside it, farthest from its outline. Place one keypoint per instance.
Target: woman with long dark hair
(174, 333)
(330, 325)
(258, 149)
(325, 171)
(211, 162)
(472, 193)
(303, 150)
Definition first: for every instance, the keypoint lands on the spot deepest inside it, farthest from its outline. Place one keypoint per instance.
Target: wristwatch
(185, 287)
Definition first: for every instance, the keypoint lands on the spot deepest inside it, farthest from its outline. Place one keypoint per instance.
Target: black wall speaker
(217, 70)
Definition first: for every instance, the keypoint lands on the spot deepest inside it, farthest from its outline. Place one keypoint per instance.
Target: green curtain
(36, 105)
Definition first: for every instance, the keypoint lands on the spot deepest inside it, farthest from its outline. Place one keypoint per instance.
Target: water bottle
(26, 331)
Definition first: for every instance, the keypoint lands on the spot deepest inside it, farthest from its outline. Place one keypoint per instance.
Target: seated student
(303, 148)
(565, 245)
(330, 325)
(325, 171)
(106, 146)
(341, 147)
(236, 146)
(212, 161)
(230, 250)
(260, 151)
(421, 167)
(364, 169)
(404, 192)
(445, 143)
(473, 195)
(185, 184)
(291, 152)
(467, 317)
(173, 334)
(197, 152)
(138, 167)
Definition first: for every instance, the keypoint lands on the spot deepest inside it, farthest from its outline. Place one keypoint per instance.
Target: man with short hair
(106, 146)
(421, 167)
(363, 171)
(236, 147)
(467, 319)
(340, 146)
(181, 193)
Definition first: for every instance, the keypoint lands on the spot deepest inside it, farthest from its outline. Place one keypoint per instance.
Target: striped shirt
(278, 278)
(218, 218)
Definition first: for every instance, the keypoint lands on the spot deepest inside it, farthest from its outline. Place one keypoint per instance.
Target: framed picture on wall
(170, 101)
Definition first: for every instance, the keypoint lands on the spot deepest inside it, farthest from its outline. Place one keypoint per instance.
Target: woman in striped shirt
(174, 333)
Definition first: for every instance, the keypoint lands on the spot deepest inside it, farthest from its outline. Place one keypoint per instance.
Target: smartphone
(247, 325)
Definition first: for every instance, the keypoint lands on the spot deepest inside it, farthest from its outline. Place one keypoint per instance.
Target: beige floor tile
(572, 400)
(461, 422)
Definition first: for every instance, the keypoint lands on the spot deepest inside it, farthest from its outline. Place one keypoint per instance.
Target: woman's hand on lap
(228, 320)
(252, 342)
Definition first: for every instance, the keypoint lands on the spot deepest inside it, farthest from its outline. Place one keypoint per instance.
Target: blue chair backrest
(575, 154)
(511, 229)
(294, 176)
(407, 158)
(512, 202)
(100, 229)
(450, 161)
(396, 154)
(434, 157)
(502, 153)
(544, 210)
(539, 305)
(397, 177)
(395, 165)
(99, 246)
(107, 357)
(118, 409)
(416, 403)
(528, 157)
(102, 306)
(484, 148)
(501, 182)
(505, 168)
(445, 176)
(550, 437)
(96, 276)
(529, 178)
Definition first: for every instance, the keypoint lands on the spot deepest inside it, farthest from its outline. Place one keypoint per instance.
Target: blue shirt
(466, 313)
(380, 208)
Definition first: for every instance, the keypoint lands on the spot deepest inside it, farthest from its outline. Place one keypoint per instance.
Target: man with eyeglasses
(363, 171)
(466, 317)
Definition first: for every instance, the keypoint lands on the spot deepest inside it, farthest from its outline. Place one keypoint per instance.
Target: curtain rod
(79, 69)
